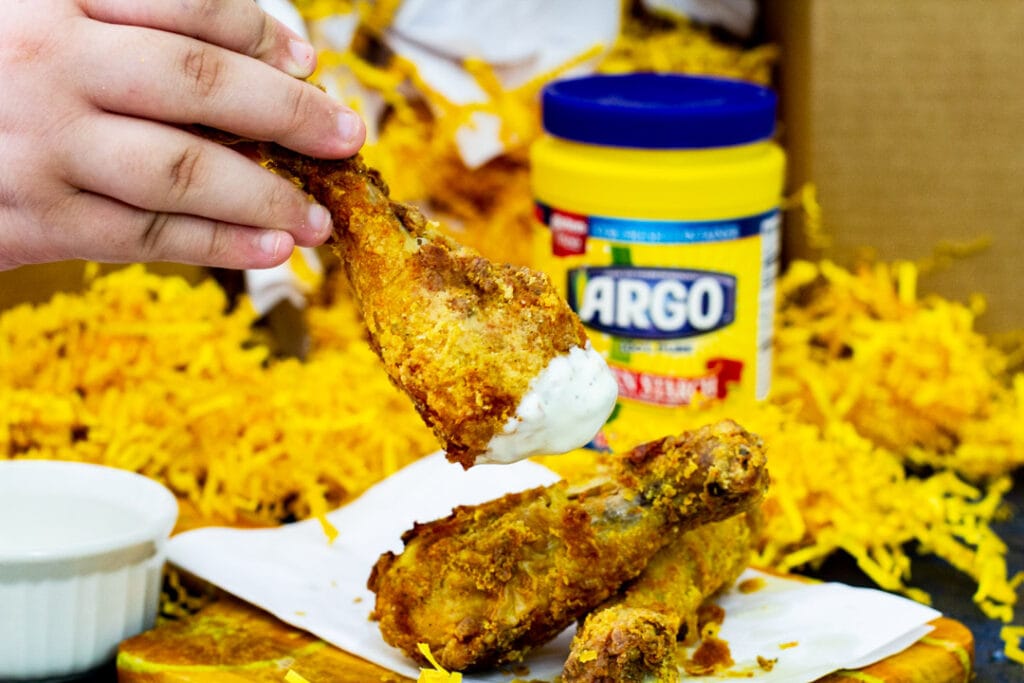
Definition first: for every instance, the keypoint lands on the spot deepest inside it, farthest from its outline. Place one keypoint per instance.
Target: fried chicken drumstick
(632, 637)
(493, 358)
(486, 584)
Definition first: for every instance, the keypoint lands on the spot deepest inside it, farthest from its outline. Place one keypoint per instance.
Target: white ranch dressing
(564, 407)
(34, 522)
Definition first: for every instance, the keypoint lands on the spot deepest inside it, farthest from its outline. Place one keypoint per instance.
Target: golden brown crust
(633, 636)
(489, 582)
(462, 336)
(624, 645)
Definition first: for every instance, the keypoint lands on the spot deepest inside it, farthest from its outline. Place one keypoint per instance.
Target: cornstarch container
(657, 204)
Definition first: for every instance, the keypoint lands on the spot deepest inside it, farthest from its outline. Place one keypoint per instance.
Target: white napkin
(285, 12)
(816, 628)
(267, 287)
(735, 16)
(293, 573)
(518, 40)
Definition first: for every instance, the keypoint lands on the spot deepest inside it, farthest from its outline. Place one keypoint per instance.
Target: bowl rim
(154, 527)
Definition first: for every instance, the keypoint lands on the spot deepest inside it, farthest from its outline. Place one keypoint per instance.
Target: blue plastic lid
(658, 111)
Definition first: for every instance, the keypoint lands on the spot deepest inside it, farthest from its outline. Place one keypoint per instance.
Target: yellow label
(678, 308)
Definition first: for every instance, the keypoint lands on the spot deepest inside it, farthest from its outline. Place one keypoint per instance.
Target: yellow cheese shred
(1012, 637)
(438, 674)
(871, 382)
(893, 425)
(330, 530)
(154, 375)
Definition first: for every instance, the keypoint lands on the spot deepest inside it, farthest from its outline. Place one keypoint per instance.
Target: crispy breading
(632, 637)
(462, 336)
(486, 584)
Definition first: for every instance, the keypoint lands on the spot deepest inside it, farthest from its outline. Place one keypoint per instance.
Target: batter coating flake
(465, 338)
(490, 582)
(632, 637)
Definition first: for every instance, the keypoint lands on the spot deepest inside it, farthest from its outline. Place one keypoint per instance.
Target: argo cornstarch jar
(657, 202)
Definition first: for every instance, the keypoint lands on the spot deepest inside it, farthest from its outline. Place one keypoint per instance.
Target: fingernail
(319, 219)
(303, 58)
(270, 242)
(350, 126)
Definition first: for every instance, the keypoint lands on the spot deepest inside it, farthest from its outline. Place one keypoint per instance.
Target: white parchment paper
(293, 573)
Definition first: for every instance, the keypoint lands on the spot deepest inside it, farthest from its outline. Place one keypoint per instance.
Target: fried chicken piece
(493, 357)
(632, 638)
(486, 584)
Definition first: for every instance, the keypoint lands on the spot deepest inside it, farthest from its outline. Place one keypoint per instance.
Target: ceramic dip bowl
(81, 557)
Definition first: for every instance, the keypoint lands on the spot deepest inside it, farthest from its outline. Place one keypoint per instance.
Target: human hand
(94, 163)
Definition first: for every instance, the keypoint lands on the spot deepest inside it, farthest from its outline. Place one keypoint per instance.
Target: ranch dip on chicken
(493, 358)
(563, 409)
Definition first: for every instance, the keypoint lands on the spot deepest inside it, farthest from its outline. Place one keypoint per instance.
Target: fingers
(100, 229)
(237, 25)
(164, 169)
(166, 77)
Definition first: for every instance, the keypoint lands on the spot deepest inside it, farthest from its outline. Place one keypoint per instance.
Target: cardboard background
(909, 118)
(38, 283)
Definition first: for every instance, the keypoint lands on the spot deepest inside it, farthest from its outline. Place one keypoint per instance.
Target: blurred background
(896, 418)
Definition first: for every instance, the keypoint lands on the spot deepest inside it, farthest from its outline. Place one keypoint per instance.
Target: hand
(94, 162)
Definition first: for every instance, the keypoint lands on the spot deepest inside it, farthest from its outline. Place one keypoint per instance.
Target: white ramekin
(82, 549)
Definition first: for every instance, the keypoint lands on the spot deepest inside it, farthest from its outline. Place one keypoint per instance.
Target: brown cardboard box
(908, 116)
(38, 283)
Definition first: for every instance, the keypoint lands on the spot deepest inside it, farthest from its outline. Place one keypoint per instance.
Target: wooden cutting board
(231, 641)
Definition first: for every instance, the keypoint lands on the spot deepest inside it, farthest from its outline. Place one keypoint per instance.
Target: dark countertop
(952, 593)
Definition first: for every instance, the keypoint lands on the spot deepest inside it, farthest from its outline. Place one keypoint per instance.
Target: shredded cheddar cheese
(330, 530)
(438, 674)
(490, 208)
(1012, 637)
(805, 201)
(870, 379)
(893, 423)
(151, 374)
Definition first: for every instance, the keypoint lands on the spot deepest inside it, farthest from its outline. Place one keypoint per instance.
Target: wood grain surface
(231, 641)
